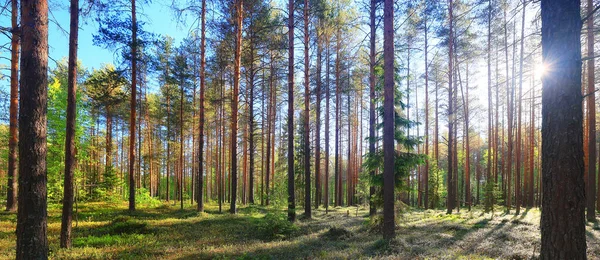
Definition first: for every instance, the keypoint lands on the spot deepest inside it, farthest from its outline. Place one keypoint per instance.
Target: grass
(109, 231)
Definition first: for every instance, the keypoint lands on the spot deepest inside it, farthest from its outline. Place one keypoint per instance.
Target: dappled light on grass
(165, 232)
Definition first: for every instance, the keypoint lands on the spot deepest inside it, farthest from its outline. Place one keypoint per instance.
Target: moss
(337, 233)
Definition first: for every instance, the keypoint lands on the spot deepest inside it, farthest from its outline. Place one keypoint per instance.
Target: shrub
(336, 233)
(275, 226)
(125, 225)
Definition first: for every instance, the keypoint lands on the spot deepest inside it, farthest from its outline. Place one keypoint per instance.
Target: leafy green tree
(106, 90)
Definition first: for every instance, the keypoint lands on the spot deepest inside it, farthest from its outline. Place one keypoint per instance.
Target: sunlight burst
(539, 71)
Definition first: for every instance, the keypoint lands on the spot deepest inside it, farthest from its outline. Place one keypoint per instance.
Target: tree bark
(372, 53)
(451, 190)
(307, 207)
(318, 188)
(290, 152)
(234, 103)
(426, 173)
(11, 191)
(509, 112)
(519, 110)
(200, 178)
(389, 225)
(563, 217)
(337, 174)
(591, 116)
(327, 112)
(132, 115)
(32, 241)
(70, 150)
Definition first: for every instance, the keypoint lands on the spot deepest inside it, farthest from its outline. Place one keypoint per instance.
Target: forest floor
(108, 231)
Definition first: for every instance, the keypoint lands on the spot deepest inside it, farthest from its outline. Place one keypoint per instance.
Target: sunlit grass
(109, 231)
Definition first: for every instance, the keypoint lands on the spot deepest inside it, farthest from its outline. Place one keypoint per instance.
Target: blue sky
(159, 18)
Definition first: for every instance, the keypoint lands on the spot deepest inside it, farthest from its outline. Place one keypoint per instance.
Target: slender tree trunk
(109, 143)
(467, 144)
(389, 225)
(273, 125)
(318, 188)
(372, 53)
(509, 112)
(519, 110)
(11, 192)
(32, 241)
(307, 207)
(451, 195)
(591, 116)
(221, 153)
(245, 155)
(327, 112)
(290, 159)
(133, 105)
(251, 141)
(426, 173)
(168, 144)
(563, 217)
(488, 178)
(337, 120)
(181, 144)
(200, 178)
(532, 147)
(262, 141)
(234, 104)
(270, 126)
(70, 151)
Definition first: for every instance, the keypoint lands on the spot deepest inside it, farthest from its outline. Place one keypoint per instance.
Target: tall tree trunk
(532, 147)
(467, 143)
(70, 151)
(451, 191)
(168, 159)
(318, 188)
(251, 141)
(519, 110)
(249, 182)
(270, 126)
(245, 152)
(563, 217)
(133, 105)
(372, 53)
(290, 152)
(200, 178)
(273, 125)
(109, 143)
(488, 178)
(32, 241)
(389, 225)
(234, 103)
(327, 112)
(307, 207)
(591, 116)
(181, 143)
(220, 153)
(426, 173)
(262, 140)
(337, 169)
(11, 192)
(509, 112)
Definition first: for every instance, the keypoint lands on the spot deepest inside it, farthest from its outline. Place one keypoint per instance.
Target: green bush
(125, 225)
(337, 233)
(275, 226)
